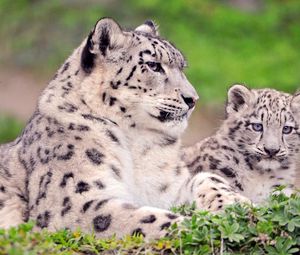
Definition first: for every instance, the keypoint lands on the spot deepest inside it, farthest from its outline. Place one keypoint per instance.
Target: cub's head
(264, 123)
(137, 76)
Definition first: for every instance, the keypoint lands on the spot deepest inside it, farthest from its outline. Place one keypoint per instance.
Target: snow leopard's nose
(190, 101)
(271, 151)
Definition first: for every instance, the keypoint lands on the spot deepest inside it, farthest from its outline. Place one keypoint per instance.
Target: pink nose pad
(271, 152)
(190, 101)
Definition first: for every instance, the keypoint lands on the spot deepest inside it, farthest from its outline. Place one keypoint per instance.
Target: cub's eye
(257, 127)
(155, 66)
(287, 130)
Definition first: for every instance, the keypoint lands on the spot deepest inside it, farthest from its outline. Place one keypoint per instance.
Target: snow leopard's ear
(295, 103)
(106, 36)
(239, 97)
(149, 27)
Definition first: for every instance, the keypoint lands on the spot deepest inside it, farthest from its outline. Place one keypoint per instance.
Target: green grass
(272, 229)
(10, 128)
(223, 45)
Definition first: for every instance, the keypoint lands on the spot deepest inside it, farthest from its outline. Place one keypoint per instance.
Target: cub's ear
(106, 35)
(239, 97)
(149, 27)
(295, 103)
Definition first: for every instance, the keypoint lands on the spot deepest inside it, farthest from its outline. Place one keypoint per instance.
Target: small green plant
(241, 229)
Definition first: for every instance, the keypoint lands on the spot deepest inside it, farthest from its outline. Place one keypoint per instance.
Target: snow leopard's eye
(155, 66)
(287, 130)
(258, 127)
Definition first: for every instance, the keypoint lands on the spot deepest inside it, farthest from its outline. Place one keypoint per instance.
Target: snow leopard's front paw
(159, 229)
(227, 198)
(214, 192)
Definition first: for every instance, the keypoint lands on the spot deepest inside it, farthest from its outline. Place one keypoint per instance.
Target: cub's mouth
(165, 116)
(273, 157)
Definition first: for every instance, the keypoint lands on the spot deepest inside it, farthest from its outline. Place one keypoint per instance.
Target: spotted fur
(101, 152)
(257, 147)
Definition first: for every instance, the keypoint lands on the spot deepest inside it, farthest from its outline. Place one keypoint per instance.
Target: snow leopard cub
(257, 146)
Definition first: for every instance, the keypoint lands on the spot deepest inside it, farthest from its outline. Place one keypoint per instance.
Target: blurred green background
(225, 42)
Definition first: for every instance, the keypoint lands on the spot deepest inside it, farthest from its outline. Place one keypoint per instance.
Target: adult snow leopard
(101, 151)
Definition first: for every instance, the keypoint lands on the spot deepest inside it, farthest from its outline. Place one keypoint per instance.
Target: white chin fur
(175, 128)
(266, 163)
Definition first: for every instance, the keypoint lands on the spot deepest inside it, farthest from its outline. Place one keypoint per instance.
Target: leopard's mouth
(165, 116)
(272, 158)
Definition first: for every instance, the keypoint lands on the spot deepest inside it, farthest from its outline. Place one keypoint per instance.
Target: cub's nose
(271, 152)
(190, 101)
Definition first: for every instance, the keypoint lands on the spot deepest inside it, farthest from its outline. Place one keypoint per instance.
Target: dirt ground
(19, 92)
